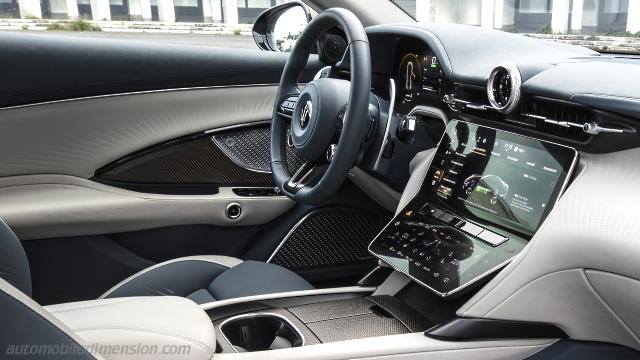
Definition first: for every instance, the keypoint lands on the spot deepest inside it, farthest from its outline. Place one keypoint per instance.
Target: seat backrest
(14, 266)
(29, 331)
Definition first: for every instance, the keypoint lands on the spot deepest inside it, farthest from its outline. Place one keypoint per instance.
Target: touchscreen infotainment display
(499, 177)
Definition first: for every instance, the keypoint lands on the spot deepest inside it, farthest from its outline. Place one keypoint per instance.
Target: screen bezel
(571, 154)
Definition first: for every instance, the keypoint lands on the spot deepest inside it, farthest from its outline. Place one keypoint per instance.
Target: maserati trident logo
(305, 115)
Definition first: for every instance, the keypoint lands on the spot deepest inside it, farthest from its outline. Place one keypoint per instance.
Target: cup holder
(260, 331)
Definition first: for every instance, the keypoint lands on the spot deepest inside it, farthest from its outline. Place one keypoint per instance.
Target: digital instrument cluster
(419, 76)
(485, 194)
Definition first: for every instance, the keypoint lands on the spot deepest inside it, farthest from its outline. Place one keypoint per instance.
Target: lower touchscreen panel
(485, 194)
(440, 256)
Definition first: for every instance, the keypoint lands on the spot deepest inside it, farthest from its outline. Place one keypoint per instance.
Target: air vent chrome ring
(505, 72)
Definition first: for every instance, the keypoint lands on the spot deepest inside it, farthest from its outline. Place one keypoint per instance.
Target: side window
(224, 23)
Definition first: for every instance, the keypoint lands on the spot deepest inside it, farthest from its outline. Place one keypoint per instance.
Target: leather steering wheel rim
(356, 116)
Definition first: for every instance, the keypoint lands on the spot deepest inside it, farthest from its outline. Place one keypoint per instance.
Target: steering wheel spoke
(285, 109)
(308, 175)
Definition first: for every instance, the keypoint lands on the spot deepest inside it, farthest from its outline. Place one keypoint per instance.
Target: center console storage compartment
(269, 328)
(260, 331)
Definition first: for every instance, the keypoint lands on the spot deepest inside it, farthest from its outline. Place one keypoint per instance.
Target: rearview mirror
(278, 28)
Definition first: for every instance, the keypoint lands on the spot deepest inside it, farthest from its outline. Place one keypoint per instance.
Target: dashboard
(506, 145)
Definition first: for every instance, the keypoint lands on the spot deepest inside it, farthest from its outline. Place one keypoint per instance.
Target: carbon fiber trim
(249, 148)
(195, 160)
(328, 310)
(356, 327)
(348, 308)
(327, 237)
(408, 316)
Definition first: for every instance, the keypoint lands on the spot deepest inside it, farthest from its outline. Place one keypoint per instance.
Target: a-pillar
(633, 16)
(423, 10)
(560, 16)
(166, 11)
(30, 8)
(230, 12)
(100, 10)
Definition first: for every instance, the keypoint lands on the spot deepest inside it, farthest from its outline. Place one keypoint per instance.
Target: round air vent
(503, 87)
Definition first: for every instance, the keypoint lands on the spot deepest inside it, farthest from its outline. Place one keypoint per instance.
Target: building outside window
(248, 10)
(9, 9)
(532, 16)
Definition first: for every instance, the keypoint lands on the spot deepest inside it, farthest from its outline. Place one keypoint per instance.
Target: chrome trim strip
(288, 294)
(392, 103)
(135, 93)
(481, 276)
(237, 126)
(255, 315)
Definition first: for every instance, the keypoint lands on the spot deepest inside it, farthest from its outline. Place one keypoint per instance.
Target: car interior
(387, 189)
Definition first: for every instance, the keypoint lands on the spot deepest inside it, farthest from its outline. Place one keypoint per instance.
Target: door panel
(48, 206)
(80, 136)
(90, 142)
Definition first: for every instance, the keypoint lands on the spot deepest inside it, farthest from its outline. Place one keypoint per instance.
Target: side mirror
(278, 28)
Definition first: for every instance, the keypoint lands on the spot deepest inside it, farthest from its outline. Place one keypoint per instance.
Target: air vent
(503, 87)
(555, 118)
(472, 101)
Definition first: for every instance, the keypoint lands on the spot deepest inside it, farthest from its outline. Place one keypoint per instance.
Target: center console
(484, 196)
(294, 322)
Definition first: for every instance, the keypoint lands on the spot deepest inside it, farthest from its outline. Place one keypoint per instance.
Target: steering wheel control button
(287, 106)
(233, 211)
(492, 238)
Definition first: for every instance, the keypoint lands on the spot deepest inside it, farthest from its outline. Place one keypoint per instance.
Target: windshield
(603, 25)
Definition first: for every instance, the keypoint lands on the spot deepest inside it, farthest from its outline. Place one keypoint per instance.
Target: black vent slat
(560, 112)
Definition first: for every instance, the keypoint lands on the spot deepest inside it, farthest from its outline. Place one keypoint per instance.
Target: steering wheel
(318, 106)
